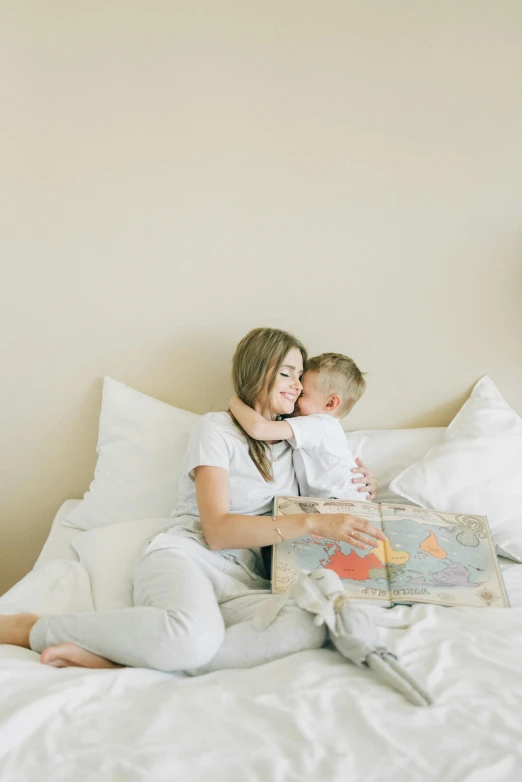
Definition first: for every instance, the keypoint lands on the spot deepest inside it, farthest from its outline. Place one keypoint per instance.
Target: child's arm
(256, 426)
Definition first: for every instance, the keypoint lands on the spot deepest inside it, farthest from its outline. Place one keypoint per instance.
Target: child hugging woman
(201, 598)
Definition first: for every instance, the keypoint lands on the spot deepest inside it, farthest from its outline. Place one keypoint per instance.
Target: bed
(310, 716)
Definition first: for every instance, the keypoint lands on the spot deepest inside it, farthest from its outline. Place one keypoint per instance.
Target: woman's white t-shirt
(215, 441)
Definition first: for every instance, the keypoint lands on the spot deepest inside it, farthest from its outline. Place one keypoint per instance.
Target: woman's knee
(184, 642)
(303, 631)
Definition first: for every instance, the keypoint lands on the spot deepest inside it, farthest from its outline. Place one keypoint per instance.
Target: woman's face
(287, 387)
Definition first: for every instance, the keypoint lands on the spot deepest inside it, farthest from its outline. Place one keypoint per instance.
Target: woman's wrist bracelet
(276, 529)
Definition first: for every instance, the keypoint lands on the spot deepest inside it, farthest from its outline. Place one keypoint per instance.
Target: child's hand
(368, 480)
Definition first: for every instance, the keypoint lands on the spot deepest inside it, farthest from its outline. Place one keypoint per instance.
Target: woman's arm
(224, 530)
(256, 426)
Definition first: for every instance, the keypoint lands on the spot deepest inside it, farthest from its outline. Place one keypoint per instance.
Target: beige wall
(175, 173)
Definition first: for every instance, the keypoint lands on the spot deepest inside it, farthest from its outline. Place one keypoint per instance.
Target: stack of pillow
(473, 466)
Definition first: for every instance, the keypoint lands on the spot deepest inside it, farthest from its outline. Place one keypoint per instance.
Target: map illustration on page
(429, 556)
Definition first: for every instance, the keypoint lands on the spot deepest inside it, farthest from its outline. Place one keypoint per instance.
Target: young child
(332, 384)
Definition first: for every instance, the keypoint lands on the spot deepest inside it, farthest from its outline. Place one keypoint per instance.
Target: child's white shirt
(322, 459)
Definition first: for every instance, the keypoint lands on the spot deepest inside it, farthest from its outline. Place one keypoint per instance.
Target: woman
(201, 599)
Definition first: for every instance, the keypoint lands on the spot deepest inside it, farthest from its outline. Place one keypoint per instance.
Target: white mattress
(311, 716)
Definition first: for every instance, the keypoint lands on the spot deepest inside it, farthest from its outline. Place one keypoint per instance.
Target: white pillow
(389, 451)
(141, 446)
(477, 469)
(109, 553)
(58, 543)
(57, 587)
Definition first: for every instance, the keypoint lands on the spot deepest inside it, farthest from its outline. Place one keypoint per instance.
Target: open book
(429, 556)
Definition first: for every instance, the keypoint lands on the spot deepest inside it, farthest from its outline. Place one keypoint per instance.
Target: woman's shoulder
(219, 423)
(219, 419)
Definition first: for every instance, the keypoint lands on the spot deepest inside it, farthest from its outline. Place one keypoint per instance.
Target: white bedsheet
(311, 716)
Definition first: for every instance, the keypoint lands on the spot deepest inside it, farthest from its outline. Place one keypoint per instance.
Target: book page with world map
(428, 557)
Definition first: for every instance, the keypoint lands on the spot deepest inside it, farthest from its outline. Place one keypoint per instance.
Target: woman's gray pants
(193, 609)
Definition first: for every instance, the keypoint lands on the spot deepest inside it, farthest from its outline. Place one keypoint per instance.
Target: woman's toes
(57, 655)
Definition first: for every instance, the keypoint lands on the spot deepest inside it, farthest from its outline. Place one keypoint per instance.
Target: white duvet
(311, 716)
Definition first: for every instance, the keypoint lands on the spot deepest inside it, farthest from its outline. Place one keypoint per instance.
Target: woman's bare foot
(16, 628)
(68, 655)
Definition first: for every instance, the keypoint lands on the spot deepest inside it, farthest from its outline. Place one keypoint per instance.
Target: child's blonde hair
(338, 374)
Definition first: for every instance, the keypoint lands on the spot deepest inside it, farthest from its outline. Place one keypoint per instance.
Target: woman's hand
(343, 526)
(368, 480)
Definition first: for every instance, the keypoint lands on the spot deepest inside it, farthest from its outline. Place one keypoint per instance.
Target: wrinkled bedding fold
(308, 716)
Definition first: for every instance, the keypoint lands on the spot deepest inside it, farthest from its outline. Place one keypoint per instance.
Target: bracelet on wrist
(276, 529)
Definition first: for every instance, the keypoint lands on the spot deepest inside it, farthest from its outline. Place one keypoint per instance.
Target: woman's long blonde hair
(261, 351)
